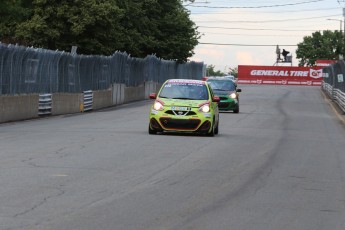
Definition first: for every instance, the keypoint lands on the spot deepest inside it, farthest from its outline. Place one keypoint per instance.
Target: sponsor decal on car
(179, 81)
(176, 108)
(153, 111)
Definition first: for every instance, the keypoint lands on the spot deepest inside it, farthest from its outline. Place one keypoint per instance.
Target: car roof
(219, 78)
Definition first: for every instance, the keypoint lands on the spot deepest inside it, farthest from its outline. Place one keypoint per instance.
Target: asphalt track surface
(278, 164)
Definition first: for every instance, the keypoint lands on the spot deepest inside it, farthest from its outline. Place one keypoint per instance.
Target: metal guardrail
(88, 100)
(333, 82)
(339, 98)
(327, 88)
(45, 104)
(335, 94)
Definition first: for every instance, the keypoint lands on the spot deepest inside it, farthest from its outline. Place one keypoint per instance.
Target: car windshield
(222, 85)
(187, 91)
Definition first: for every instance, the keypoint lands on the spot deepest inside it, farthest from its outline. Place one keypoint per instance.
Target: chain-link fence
(26, 70)
(333, 82)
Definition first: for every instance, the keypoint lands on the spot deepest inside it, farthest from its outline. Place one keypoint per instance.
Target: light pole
(341, 26)
(341, 23)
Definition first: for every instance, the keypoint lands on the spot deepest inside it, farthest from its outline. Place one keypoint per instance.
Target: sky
(247, 32)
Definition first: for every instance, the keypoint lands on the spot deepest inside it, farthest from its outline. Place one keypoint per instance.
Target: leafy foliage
(13, 12)
(233, 71)
(90, 24)
(160, 27)
(138, 27)
(211, 72)
(327, 45)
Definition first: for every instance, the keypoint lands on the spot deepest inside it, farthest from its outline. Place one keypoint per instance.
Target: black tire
(211, 134)
(216, 130)
(152, 131)
(237, 110)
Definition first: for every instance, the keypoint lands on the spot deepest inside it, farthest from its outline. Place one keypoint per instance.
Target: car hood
(222, 92)
(182, 102)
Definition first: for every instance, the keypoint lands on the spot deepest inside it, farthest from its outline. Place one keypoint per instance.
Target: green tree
(326, 45)
(92, 25)
(138, 27)
(13, 12)
(233, 71)
(178, 34)
(160, 27)
(211, 72)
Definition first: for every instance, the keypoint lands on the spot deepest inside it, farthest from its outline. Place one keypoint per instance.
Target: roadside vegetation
(210, 71)
(328, 45)
(137, 27)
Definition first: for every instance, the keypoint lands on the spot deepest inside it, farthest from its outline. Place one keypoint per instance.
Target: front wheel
(212, 132)
(152, 131)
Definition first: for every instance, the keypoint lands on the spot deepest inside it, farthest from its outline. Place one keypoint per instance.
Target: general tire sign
(280, 75)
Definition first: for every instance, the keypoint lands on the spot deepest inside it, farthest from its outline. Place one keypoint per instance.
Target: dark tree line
(101, 27)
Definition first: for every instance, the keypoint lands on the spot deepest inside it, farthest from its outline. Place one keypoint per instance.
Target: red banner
(324, 63)
(280, 75)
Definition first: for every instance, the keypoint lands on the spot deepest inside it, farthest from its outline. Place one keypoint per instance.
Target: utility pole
(343, 5)
(344, 18)
(341, 57)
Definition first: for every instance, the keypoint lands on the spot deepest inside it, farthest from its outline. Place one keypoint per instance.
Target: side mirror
(238, 90)
(216, 99)
(153, 96)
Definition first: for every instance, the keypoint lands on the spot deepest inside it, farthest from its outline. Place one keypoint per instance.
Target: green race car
(184, 105)
(226, 89)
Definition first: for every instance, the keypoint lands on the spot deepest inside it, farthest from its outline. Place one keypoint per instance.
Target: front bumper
(227, 104)
(193, 121)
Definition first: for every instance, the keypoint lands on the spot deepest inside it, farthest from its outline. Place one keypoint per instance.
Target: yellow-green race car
(184, 105)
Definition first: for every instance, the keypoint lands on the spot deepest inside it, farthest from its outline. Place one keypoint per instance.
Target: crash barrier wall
(333, 82)
(25, 70)
(18, 107)
(280, 75)
(27, 106)
(65, 103)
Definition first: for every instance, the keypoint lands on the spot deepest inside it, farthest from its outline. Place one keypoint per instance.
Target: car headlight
(205, 108)
(233, 95)
(158, 106)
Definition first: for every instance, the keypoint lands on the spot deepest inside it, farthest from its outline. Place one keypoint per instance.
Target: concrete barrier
(102, 99)
(134, 93)
(18, 107)
(21, 107)
(65, 103)
(151, 87)
(118, 94)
